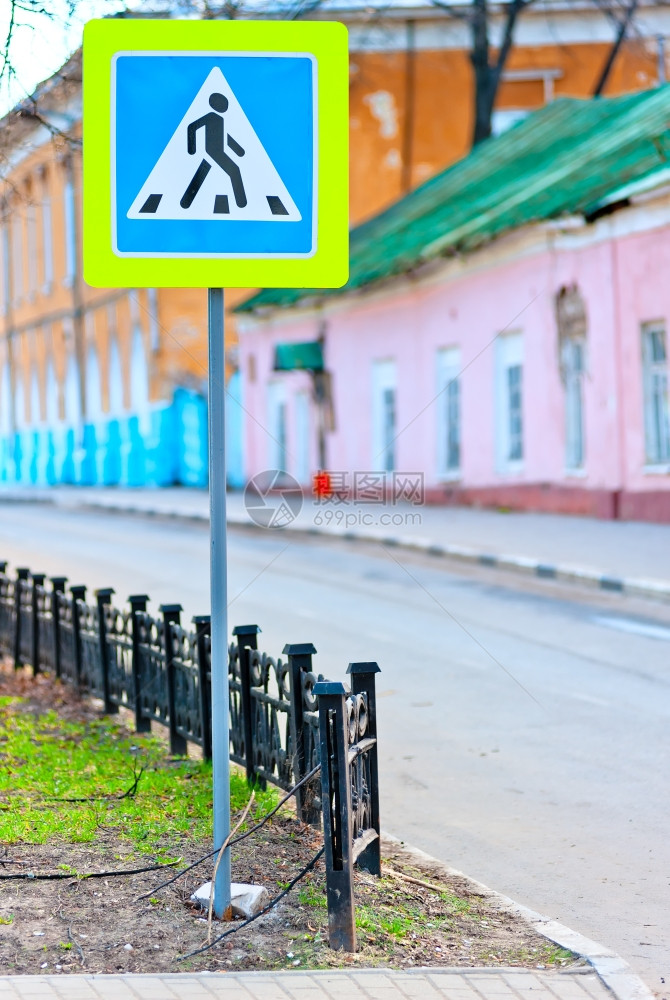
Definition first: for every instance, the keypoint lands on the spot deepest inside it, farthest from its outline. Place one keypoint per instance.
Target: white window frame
(504, 118)
(384, 382)
(509, 356)
(278, 449)
(303, 424)
(655, 398)
(70, 233)
(449, 385)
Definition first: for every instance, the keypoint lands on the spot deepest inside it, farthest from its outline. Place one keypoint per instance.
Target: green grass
(46, 759)
(309, 895)
(547, 953)
(397, 920)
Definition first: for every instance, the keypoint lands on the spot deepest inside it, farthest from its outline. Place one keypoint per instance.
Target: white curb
(613, 970)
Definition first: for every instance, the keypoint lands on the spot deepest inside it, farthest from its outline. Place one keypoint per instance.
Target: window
(70, 246)
(655, 378)
(388, 427)
(72, 398)
(302, 437)
(515, 418)
(5, 290)
(17, 255)
(5, 401)
(509, 401)
(572, 364)
(504, 118)
(19, 403)
(31, 245)
(51, 400)
(449, 410)
(139, 374)
(93, 394)
(282, 451)
(384, 415)
(35, 400)
(47, 246)
(278, 438)
(152, 308)
(116, 393)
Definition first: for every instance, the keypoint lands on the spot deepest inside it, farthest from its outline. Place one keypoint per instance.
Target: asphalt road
(524, 734)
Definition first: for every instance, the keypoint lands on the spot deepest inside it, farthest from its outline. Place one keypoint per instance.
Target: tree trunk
(484, 73)
(614, 51)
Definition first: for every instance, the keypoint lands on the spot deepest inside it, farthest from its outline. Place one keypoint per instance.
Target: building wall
(89, 376)
(110, 385)
(619, 267)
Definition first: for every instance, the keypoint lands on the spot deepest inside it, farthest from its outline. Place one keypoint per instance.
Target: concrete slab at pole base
(246, 900)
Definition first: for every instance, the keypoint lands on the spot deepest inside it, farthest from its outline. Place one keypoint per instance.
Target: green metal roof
(571, 157)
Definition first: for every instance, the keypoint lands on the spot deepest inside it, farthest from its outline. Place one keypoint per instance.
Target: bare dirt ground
(75, 924)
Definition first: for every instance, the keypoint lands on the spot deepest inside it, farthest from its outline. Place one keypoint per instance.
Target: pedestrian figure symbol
(235, 177)
(215, 142)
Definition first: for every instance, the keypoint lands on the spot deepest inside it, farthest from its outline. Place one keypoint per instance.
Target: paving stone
(314, 985)
(27, 985)
(382, 992)
(577, 987)
(311, 993)
(457, 991)
(522, 981)
(455, 984)
(417, 988)
(591, 983)
(342, 990)
(295, 980)
(367, 982)
(222, 987)
(491, 986)
(114, 988)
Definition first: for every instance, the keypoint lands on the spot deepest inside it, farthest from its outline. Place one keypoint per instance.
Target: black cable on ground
(250, 920)
(82, 875)
(242, 836)
(112, 797)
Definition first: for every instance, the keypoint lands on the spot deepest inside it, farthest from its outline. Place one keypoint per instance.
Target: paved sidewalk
(372, 984)
(630, 557)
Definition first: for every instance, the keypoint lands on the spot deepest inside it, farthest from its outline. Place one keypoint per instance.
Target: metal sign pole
(219, 593)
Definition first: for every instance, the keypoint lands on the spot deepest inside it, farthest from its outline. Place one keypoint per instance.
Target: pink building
(503, 332)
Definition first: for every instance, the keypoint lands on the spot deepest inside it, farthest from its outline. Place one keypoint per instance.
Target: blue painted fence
(165, 446)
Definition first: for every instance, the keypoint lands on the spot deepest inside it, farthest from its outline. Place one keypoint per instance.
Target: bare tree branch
(458, 13)
(614, 51)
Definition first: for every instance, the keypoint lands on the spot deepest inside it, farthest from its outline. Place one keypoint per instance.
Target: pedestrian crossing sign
(215, 153)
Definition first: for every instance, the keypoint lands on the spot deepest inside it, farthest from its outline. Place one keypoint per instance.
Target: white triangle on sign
(216, 181)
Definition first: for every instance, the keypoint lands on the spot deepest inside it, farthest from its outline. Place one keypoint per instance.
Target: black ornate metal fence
(284, 718)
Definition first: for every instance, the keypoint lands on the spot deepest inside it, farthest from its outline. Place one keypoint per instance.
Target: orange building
(107, 385)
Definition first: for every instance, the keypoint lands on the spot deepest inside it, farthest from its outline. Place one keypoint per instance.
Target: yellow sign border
(327, 41)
